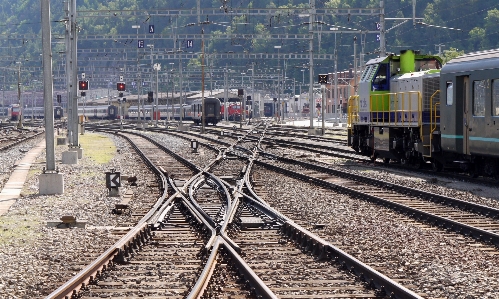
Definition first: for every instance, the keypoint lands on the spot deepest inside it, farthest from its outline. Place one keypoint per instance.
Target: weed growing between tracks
(15, 232)
(98, 147)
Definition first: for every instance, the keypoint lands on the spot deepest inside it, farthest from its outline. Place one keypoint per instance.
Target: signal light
(83, 85)
(323, 79)
(150, 97)
(120, 86)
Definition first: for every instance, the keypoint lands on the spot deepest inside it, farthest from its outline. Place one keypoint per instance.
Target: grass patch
(12, 230)
(97, 147)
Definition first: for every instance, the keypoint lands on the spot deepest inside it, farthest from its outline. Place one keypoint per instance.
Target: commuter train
(212, 110)
(39, 112)
(163, 112)
(13, 112)
(413, 110)
(99, 112)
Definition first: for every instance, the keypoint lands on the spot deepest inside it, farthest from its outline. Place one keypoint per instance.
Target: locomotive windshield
(380, 81)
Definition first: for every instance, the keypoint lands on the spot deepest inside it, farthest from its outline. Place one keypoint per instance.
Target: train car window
(450, 95)
(495, 97)
(479, 89)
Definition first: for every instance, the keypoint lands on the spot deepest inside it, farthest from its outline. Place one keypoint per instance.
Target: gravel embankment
(438, 264)
(32, 254)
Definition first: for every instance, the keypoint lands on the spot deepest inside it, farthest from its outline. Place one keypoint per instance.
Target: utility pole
(50, 181)
(252, 89)
(335, 84)
(151, 80)
(355, 64)
(138, 80)
(382, 42)
(439, 49)
(74, 72)
(203, 116)
(3, 97)
(69, 83)
(157, 67)
(311, 65)
(226, 93)
(19, 97)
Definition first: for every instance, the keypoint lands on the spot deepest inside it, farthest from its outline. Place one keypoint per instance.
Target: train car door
(210, 110)
(466, 113)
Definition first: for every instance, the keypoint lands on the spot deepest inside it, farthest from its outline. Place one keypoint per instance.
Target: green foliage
(451, 53)
(468, 25)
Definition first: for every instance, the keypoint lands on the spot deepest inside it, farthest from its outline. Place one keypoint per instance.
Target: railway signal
(59, 98)
(120, 86)
(83, 85)
(150, 97)
(323, 79)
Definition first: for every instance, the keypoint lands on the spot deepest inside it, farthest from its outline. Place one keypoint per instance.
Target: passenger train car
(413, 110)
(99, 112)
(211, 109)
(39, 112)
(163, 112)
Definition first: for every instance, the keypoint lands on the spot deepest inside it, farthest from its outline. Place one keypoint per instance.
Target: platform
(12, 189)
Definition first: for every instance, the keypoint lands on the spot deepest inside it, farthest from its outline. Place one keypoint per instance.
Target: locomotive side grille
(430, 85)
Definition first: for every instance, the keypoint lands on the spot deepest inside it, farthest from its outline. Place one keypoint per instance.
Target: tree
(451, 53)
(478, 39)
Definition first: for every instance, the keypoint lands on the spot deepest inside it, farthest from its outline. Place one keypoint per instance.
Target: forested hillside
(453, 26)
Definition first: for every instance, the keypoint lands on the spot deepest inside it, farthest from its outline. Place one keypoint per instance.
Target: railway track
(164, 266)
(10, 137)
(289, 273)
(468, 218)
(216, 209)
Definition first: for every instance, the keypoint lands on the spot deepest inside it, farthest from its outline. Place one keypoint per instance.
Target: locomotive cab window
(495, 97)
(479, 91)
(380, 81)
(450, 96)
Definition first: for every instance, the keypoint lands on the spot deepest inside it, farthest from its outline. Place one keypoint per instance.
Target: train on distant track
(234, 111)
(13, 112)
(413, 110)
(39, 112)
(193, 112)
(99, 112)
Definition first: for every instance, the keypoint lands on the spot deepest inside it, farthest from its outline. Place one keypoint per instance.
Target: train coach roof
(473, 61)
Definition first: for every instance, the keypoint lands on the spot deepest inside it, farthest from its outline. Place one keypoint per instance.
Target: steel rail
(314, 244)
(122, 248)
(477, 233)
(138, 235)
(19, 141)
(437, 198)
(324, 250)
